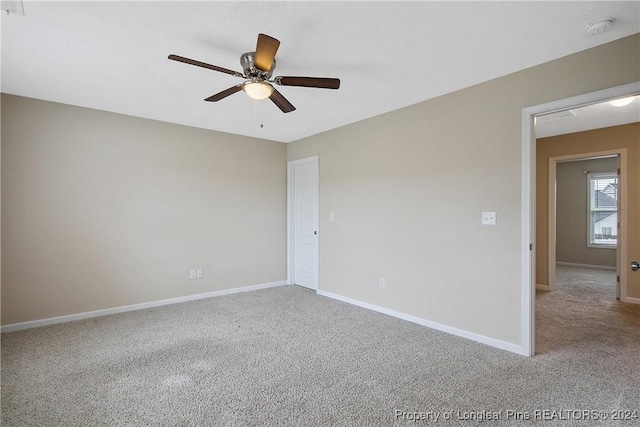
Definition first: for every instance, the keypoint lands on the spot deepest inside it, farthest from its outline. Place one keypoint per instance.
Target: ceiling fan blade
(221, 95)
(281, 102)
(204, 65)
(265, 52)
(319, 82)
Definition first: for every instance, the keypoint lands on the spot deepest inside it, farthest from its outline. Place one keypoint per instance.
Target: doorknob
(635, 266)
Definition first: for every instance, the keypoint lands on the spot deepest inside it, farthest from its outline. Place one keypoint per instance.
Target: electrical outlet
(192, 274)
(381, 283)
(199, 273)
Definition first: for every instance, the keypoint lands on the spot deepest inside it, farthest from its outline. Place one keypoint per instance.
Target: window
(603, 209)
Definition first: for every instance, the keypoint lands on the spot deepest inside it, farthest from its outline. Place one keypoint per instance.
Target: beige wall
(627, 137)
(408, 188)
(102, 210)
(571, 213)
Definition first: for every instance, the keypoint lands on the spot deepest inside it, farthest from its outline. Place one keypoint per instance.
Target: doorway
(584, 212)
(529, 249)
(302, 222)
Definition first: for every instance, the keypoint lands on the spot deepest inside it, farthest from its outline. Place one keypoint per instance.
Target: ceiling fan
(257, 69)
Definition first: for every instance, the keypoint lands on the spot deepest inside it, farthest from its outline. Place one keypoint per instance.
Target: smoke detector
(599, 26)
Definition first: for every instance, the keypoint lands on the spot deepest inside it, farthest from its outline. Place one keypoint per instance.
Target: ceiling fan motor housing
(250, 70)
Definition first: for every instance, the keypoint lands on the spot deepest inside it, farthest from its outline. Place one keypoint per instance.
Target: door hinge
(617, 279)
(530, 246)
(618, 225)
(618, 171)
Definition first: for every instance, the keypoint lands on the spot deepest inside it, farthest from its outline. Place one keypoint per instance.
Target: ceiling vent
(9, 6)
(565, 114)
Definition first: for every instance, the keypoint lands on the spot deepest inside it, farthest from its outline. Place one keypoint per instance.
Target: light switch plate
(488, 218)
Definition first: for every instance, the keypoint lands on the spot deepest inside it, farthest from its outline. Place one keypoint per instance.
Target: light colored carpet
(583, 313)
(286, 356)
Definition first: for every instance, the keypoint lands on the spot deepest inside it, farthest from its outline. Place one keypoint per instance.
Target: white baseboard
(631, 300)
(542, 287)
(503, 345)
(123, 309)
(573, 264)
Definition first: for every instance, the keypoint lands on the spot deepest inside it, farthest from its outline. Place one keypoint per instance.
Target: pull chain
(257, 105)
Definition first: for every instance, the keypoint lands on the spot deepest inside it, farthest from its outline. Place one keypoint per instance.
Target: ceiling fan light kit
(257, 69)
(257, 90)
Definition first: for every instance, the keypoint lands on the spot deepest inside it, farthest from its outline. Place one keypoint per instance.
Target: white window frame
(590, 227)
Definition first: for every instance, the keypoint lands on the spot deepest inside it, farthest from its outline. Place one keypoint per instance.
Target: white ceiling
(589, 117)
(112, 56)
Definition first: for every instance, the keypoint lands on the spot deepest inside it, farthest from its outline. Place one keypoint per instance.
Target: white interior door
(305, 223)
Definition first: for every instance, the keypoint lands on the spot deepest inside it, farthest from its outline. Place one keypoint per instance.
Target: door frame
(528, 202)
(621, 154)
(290, 217)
